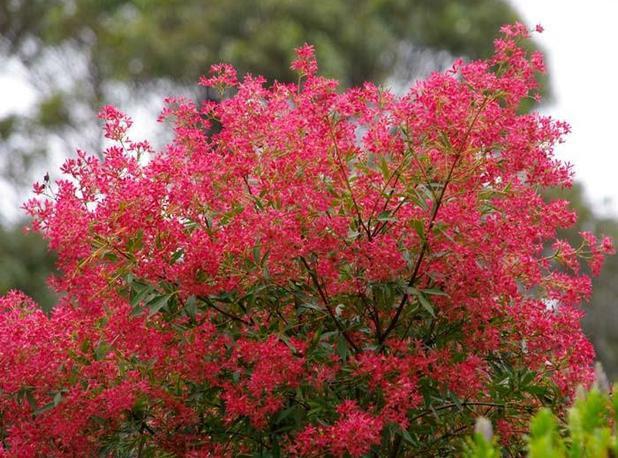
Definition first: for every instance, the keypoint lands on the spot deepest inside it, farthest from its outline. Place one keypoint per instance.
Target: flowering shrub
(305, 272)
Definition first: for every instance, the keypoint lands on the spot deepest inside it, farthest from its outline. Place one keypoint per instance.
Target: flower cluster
(304, 270)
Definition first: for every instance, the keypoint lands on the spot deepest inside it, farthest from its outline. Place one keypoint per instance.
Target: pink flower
(305, 62)
(323, 270)
(220, 76)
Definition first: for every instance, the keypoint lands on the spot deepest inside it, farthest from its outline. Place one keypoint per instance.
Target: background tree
(25, 264)
(82, 54)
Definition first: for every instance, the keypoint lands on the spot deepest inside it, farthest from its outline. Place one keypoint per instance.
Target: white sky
(16, 95)
(580, 42)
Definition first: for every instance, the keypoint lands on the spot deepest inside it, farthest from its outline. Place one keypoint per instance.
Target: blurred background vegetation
(80, 54)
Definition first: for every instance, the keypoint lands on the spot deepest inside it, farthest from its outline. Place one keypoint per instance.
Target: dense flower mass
(305, 271)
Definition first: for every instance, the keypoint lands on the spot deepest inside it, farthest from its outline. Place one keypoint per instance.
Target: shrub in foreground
(588, 431)
(305, 272)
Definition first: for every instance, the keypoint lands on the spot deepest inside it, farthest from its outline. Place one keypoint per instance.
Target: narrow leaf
(158, 303)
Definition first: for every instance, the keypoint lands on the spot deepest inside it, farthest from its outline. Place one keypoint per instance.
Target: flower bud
(601, 381)
(484, 428)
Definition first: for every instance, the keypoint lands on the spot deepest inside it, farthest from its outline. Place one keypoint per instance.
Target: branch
(210, 303)
(434, 212)
(347, 182)
(326, 302)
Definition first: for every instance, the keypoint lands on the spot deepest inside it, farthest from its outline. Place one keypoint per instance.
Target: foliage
(25, 264)
(305, 271)
(588, 431)
(124, 51)
(136, 40)
(109, 45)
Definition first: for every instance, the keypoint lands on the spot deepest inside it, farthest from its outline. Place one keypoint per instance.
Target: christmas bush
(305, 271)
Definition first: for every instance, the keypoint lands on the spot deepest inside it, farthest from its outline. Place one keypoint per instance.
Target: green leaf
(407, 257)
(45, 408)
(456, 401)
(57, 398)
(422, 299)
(177, 255)
(352, 235)
(434, 292)
(158, 303)
(406, 436)
(256, 254)
(419, 199)
(31, 400)
(50, 405)
(141, 292)
(342, 347)
(109, 256)
(419, 227)
(286, 340)
(191, 307)
(539, 391)
(136, 243)
(101, 351)
(284, 414)
(386, 216)
(427, 305)
(311, 306)
(325, 336)
(383, 164)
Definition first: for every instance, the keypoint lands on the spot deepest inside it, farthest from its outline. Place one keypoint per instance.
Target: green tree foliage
(141, 40)
(107, 45)
(81, 54)
(25, 265)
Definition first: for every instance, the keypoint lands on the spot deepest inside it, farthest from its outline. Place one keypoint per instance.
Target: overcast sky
(580, 41)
